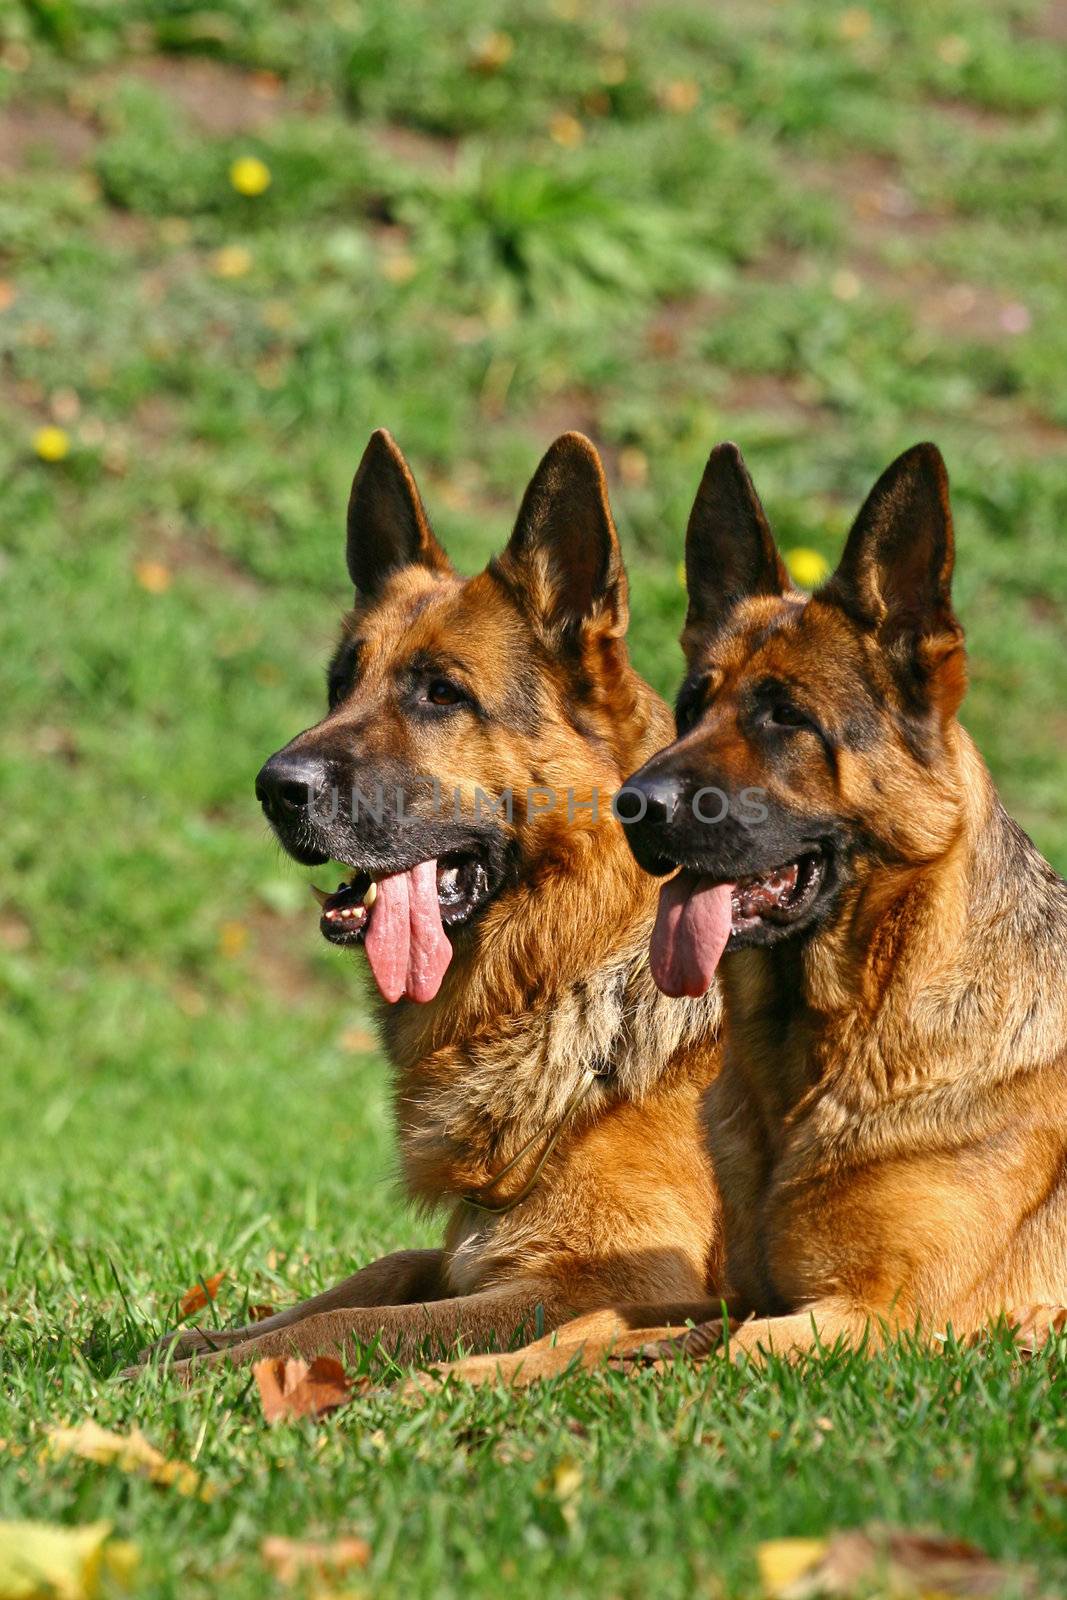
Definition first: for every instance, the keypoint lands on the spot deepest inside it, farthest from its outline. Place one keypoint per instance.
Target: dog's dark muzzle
(291, 788)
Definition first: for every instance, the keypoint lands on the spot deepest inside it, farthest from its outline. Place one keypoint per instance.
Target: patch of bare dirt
(976, 119)
(676, 321)
(46, 134)
(570, 409)
(771, 395)
(944, 305)
(277, 945)
(879, 204)
(415, 148)
(1022, 431)
(881, 211)
(1051, 24)
(194, 554)
(220, 99)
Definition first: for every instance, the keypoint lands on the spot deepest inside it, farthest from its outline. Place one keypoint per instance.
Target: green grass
(822, 231)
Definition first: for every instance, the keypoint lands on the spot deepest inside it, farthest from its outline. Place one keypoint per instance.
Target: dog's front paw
(693, 1345)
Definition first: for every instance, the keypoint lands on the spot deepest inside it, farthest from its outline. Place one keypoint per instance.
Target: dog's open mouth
(781, 896)
(700, 916)
(401, 918)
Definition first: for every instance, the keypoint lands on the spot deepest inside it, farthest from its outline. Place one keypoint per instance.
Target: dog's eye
(442, 692)
(784, 715)
(684, 717)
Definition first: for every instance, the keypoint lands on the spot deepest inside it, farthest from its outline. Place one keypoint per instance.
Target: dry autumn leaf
(41, 1559)
(909, 1566)
(782, 1561)
(292, 1559)
(196, 1298)
(154, 577)
(1034, 1326)
(291, 1388)
(129, 1452)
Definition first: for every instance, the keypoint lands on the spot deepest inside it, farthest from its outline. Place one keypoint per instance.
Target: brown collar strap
(551, 1135)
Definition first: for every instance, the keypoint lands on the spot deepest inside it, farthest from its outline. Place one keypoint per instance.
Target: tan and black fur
(514, 679)
(889, 1130)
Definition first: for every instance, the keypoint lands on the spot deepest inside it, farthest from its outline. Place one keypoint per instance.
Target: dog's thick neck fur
(941, 979)
(567, 953)
(552, 983)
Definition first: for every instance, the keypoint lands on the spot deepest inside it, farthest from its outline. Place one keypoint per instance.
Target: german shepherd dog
(547, 1094)
(889, 1130)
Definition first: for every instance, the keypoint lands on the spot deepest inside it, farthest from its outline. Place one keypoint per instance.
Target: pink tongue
(406, 945)
(692, 927)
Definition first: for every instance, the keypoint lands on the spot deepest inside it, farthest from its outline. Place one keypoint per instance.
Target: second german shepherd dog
(889, 1129)
(547, 1093)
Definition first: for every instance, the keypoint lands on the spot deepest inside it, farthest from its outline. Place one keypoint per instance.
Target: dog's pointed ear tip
(576, 449)
(925, 457)
(726, 454)
(381, 448)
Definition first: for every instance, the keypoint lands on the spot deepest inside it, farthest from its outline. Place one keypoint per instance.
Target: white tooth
(320, 894)
(371, 895)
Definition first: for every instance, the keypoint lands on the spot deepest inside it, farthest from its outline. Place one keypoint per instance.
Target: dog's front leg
(477, 1321)
(399, 1279)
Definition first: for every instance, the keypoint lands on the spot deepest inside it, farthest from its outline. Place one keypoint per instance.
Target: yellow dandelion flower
(807, 568)
(250, 176)
(232, 261)
(52, 444)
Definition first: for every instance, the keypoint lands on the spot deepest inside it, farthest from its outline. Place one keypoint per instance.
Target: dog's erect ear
(730, 553)
(563, 561)
(895, 576)
(387, 526)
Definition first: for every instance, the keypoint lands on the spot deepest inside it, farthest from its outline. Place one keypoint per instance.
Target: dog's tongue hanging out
(406, 945)
(692, 927)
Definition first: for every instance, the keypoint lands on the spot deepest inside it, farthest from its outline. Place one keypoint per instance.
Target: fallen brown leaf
(906, 1565)
(39, 1559)
(1035, 1325)
(291, 1388)
(196, 1298)
(129, 1452)
(260, 1313)
(291, 1559)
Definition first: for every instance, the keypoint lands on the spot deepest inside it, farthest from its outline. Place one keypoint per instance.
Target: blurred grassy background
(822, 230)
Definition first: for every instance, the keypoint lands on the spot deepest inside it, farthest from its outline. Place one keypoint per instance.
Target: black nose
(289, 781)
(649, 805)
(652, 799)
